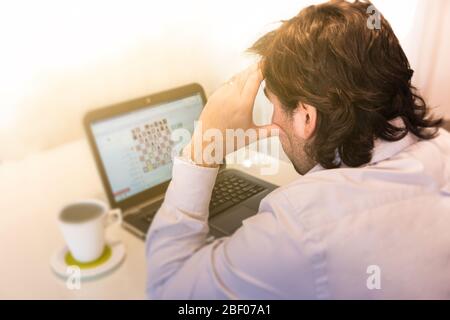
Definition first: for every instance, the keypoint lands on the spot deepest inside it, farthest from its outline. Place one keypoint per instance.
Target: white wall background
(429, 46)
(59, 59)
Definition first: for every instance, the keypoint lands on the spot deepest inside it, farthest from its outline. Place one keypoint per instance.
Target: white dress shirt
(377, 232)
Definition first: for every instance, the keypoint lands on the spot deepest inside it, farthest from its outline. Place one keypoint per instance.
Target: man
(369, 218)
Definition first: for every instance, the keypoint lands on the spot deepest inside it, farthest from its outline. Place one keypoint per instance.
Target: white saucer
(112, 259)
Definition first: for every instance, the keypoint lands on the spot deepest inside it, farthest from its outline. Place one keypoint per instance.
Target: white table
(32, 191)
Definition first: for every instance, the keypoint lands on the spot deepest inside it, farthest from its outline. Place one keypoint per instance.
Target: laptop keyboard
(228, 191)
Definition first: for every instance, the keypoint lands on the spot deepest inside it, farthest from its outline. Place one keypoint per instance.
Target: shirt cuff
(191, 186)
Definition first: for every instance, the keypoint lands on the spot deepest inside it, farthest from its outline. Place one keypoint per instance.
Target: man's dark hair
(358, 78)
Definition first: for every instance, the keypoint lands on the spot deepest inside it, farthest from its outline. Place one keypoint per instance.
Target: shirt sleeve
(182, 264)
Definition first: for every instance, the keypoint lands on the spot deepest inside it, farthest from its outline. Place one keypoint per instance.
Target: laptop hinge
(134, 209)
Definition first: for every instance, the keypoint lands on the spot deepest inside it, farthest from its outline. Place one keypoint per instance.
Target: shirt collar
(383, 150)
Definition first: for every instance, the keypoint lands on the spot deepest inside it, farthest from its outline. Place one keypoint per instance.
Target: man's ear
(305, 120)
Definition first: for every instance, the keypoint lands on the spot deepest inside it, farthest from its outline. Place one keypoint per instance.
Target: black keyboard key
(230, 190)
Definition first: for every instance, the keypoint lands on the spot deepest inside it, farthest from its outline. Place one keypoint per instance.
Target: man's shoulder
(408, 167)
(314, 192)
(339, 192)
(421, 168)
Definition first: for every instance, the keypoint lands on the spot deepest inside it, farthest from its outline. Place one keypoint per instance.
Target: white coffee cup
(83, 226)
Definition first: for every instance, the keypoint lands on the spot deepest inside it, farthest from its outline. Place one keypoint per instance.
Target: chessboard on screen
(153, 144)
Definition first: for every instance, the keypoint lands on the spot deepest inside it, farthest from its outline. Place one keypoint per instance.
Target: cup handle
(114, 217)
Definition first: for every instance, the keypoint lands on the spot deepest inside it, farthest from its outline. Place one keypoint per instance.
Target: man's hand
(230, 107)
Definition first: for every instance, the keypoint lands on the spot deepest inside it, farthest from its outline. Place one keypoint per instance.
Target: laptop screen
(136, 147)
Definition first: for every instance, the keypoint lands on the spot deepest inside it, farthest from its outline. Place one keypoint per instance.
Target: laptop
(132, 146)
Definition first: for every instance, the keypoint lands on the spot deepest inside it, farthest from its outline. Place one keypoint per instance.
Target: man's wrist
(191, 187)
(194, 155)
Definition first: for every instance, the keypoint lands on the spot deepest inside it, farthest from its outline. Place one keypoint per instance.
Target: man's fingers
(241, 78)
(246, 84)
(252, 84)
